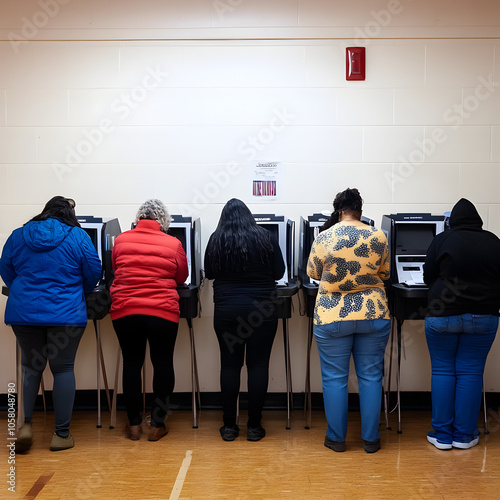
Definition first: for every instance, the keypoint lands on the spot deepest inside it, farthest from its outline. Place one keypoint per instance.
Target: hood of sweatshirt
(464, 213)
(45, 235)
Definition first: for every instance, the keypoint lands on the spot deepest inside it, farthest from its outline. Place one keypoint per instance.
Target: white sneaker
(465, 446)
(438, 444)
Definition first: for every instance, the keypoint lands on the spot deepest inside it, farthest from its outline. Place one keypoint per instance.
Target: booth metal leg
(387, 393)
(195, 382)
(486, 431)
(307, 388)
(288, 372)
(144, 386)
(101, 368)
(399, 328)
(112, 423)
(98, 364)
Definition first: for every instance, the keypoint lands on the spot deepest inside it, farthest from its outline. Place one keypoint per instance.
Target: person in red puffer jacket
(148, 265)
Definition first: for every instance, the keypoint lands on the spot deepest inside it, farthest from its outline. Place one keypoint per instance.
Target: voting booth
(102, 232)
(283, 230)
(409, 236)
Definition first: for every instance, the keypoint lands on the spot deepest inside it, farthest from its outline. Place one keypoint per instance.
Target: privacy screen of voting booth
(409, 236)
(283, 231)
(187, 231)
(102, 232)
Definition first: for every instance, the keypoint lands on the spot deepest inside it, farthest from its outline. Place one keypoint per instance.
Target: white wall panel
(481, 104)
(365, 106)
(256, 13)
(18, 145)
(390, 144)
(148, 14)
(368, 16)
(244, 66)
(44, 107)
(480, 182)
(325, 66)
(457, 144)
(429, 182)
(429, 106)
(23, 17)
(495, 144)
(395, 66)
(461, 61)
(202, 106)
(3, 120)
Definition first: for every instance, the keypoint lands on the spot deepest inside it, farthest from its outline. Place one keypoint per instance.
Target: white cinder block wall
(115, 102)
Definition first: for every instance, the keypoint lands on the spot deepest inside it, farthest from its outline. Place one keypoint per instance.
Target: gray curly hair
(154, 209)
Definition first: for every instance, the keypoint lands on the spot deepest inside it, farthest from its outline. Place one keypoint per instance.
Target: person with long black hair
(245, 261)
(49, 265)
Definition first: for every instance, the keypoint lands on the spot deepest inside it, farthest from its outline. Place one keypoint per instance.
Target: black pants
(133, 332)
(235, 334)
(58, 345)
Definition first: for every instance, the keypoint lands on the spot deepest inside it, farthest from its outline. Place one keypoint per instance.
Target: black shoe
(371, 446)
(229, 432)
(255, 433)
(338, 446)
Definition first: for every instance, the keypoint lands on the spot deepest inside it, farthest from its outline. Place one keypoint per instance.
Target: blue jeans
(458, 346)
(366, 340)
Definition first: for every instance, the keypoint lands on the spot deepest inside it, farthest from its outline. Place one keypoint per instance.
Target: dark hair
(236, 235)
(60, 208)
(346, 201)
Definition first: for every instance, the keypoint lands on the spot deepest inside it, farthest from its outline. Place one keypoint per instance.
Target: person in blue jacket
(49, 265)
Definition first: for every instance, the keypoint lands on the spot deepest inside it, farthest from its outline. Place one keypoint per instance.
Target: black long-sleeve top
(462, 267)
(241, 290)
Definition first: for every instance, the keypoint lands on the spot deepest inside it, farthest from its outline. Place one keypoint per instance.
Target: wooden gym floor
(287, 464)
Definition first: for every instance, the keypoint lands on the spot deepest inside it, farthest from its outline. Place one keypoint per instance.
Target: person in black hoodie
(462, 270)
(245, 260)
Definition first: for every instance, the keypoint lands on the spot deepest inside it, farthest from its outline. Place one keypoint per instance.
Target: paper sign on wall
(265, 179)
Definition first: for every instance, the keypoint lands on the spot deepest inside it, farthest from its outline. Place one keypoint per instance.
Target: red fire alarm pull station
(355, 63)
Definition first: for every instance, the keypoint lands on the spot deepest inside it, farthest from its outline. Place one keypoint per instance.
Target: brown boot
(134, 432)
(157, 433)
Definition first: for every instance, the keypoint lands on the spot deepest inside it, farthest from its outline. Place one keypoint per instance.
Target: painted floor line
(38, 486)
(181, 476)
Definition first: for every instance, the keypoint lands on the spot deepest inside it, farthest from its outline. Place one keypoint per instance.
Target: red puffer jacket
(148, 265)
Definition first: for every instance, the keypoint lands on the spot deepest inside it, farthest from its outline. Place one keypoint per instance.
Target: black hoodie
(462, 266)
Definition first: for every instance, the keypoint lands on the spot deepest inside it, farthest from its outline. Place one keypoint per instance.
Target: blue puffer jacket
(48, 267)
